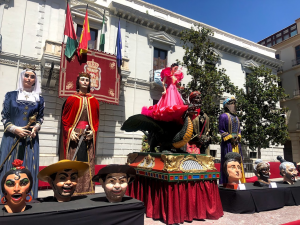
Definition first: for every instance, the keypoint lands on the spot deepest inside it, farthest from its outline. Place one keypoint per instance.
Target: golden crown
(92, 64)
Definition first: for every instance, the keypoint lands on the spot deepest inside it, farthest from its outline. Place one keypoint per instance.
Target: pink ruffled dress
(170, 106)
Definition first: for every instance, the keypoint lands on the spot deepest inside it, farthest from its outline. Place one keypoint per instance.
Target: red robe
(71, 115)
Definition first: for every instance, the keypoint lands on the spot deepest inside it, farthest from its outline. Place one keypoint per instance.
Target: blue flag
(119, 47)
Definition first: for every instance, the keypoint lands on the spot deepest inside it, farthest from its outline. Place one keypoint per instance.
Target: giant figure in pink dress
(170, 106)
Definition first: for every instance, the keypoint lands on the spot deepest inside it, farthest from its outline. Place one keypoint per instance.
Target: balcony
(279, 70)
(295, 62)
(297, 93)
(155, 82)
(298, 125)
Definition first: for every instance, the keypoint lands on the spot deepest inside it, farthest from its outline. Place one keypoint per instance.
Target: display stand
(176, 187)
(257, 199)
(91, 209)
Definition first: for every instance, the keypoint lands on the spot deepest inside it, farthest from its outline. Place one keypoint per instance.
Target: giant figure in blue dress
(230, 130)
(18, 106)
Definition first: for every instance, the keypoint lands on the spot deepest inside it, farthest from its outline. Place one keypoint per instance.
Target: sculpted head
(63, 177)
(83, 83)
(288, 171)
(232, 167)
(262, 170)
(229, 105)
(16, 185)
(114, 180)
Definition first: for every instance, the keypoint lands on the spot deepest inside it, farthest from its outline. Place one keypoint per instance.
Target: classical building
(32, 32)
(286, 43)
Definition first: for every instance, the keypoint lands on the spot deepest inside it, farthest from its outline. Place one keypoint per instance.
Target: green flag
(71, 47)
(102, 37)
(70, 32)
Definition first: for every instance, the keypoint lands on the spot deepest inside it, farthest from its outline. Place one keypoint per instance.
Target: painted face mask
(16, 185)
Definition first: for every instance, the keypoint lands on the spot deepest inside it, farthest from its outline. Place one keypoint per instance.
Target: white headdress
(25, 95)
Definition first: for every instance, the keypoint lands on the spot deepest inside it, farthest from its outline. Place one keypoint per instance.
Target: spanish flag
(85, 36)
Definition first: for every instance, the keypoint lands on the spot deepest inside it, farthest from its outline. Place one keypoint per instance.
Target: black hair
(77, 84)
(26, 171)
(173, 65)
(231, 157)
(103, 177)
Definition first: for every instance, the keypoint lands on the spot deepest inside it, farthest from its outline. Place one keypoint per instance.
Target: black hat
(281, 159)
(115, 168)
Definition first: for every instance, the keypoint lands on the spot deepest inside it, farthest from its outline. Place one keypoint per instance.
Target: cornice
(13, 59)
(246, 53)
(194, 22)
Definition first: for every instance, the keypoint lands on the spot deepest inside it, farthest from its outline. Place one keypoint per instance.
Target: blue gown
(17, 113)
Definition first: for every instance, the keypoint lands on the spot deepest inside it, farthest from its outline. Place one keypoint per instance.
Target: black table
(86, 210)
(257, 199)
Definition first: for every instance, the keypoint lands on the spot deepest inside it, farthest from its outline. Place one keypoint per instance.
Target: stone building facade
(286, 42)
(32, 32)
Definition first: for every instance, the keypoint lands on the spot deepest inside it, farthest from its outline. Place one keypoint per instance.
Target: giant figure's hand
(74, 136)
(35, 129)
(22, 132)
(89, 135)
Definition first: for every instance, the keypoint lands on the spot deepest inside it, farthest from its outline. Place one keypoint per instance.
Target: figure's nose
(117, 185)
(68, 182)
(17, 188)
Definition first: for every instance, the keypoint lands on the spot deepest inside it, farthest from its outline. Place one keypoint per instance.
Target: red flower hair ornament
(17, 163)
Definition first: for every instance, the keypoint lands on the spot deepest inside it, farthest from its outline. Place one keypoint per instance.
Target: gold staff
(32, 120)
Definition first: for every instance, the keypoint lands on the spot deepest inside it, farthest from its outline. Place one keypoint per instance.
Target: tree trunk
(259, 152)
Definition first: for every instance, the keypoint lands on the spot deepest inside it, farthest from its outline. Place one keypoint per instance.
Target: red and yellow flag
(85, 36)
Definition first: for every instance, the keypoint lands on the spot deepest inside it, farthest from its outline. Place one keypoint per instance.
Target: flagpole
(117, 38)
(63, 38)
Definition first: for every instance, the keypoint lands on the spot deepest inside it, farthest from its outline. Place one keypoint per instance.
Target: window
(277, 56)
(213, 153)
(247, 88)
(160, 59)
(253, 155)
(297, 50)
(293, 33)
(269, 44)
(286, 36)
(94, 35)
(298, 82)
(278, 40)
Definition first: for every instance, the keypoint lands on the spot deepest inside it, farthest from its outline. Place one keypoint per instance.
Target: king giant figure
(81, 111)
(229, 128)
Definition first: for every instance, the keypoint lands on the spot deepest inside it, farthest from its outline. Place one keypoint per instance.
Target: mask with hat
(114, 180)
(63, 177)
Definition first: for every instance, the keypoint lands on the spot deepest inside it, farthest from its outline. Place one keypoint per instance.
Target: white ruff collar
(28, 96)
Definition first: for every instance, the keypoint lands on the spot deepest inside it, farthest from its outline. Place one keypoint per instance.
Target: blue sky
(250, 19)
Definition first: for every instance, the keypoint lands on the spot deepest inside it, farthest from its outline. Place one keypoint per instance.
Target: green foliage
(200, 61)
(263, 120)
(145, 145)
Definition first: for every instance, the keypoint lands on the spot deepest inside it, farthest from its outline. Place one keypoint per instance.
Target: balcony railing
(296, 93)
(298, 125)
(295, 62)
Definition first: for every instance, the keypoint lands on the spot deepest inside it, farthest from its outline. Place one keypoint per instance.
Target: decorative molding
(12, 60)
(169, 14)
(249, 63)
(162, 37)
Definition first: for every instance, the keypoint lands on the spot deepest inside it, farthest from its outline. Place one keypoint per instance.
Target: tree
(262, 118)
(200, 60)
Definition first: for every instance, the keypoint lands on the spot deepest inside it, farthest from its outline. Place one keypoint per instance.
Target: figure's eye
(10, 183)
(62, 178)
(74, 177)
(24, 182)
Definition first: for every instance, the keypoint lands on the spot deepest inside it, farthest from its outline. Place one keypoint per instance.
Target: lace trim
(26, 102)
